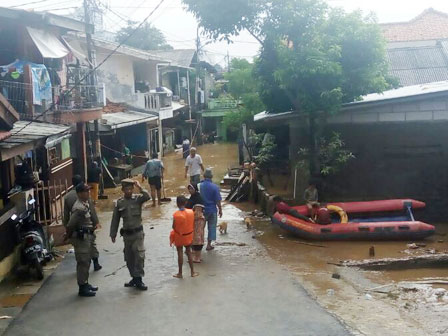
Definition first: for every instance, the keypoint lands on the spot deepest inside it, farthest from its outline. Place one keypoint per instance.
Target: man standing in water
(211, 196)
(129, 207)
(194, 166)
(154, 173)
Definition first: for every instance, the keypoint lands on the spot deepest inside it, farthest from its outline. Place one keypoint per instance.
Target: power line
(29, 3)
(95, 68)
(54, 4)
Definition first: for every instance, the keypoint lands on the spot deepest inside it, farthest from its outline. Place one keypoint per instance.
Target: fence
(18, 94)
(50, 201)
(78, 97)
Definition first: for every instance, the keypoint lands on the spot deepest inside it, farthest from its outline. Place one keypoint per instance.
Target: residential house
(212, 118)
(417, 50)
(43, 84)
(137, 97)
(182, 79)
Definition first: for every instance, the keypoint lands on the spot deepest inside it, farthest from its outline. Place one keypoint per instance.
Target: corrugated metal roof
(419, 65)
(180, 57)
(403, 92)
(124, 119)
(25, 132)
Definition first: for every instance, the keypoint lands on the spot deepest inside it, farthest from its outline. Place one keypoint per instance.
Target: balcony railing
(222, 104)
(18, 94)
(157, 101)
(23, 98)
(78, 97)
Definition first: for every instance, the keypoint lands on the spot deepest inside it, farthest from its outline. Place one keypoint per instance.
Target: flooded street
(231, 295)
(241, 290)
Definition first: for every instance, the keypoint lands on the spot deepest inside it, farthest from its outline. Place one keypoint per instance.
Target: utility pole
(198, 47)
(91, 81)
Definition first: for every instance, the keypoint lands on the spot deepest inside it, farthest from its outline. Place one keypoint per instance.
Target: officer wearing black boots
(129, 207)
(81, 231)
(69, 202)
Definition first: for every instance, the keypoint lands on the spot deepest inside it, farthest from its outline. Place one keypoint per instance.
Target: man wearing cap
(129, 207)
(69, 201)
(81, 230)
(211, 196)
(194, 166)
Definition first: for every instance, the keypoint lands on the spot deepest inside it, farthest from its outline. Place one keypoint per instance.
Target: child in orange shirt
(182, 235)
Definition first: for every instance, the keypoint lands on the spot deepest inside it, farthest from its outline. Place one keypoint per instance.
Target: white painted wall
(118, 75)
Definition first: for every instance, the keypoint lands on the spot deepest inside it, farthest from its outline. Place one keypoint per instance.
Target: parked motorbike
(35, 247)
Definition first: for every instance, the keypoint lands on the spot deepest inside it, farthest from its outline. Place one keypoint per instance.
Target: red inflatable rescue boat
(374, 220)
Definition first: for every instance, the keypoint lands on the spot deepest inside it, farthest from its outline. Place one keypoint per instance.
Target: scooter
(35, 247)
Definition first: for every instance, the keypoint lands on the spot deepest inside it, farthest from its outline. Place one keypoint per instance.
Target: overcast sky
(179, 26)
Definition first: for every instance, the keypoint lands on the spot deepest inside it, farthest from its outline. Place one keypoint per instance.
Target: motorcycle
(35, 247)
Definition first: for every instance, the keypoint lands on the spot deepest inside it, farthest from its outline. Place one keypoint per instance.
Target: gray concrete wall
(417, 110)
(401, 152)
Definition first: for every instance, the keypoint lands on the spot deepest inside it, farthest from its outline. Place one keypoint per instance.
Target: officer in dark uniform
(81, 230)
(129, 207)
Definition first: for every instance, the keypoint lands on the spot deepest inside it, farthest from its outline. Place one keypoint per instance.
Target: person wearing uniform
(69, 201)
(129, 207)
(81, 230)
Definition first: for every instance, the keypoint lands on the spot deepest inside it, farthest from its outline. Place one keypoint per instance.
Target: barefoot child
(182, 234)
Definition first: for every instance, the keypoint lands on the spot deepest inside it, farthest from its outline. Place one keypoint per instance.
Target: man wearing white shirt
(194, 166)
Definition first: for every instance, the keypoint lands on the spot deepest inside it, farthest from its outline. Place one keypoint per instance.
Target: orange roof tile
(429, 25)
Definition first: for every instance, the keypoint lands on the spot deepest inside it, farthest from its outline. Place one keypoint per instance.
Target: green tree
(312, 58)
(146, 37)
(242, 86)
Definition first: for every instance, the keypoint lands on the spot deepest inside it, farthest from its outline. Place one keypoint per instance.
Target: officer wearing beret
(129, 207)
(81, 230)
(69, 201)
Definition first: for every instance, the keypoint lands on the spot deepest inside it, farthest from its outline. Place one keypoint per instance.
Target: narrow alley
(240, 290)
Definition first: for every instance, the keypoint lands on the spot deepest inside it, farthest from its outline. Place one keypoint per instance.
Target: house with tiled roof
(429, 25)
(417, 50)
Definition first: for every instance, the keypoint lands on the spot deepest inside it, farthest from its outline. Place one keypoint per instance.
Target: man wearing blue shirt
(211, 196)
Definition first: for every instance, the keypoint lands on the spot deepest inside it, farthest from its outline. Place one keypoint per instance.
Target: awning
(76, 50)
(125, 119)
(47, 43)
(26, 136)
(178, 106)
(56, 139)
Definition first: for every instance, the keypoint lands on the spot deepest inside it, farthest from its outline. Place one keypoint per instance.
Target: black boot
(140, 285)
(96, 265)
(93, 288)
(85, 291)
(131, 283)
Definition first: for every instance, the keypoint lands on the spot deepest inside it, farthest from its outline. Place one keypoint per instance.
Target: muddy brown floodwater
(394, 311)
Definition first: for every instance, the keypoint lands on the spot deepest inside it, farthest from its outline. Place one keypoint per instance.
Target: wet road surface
(240, 290)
